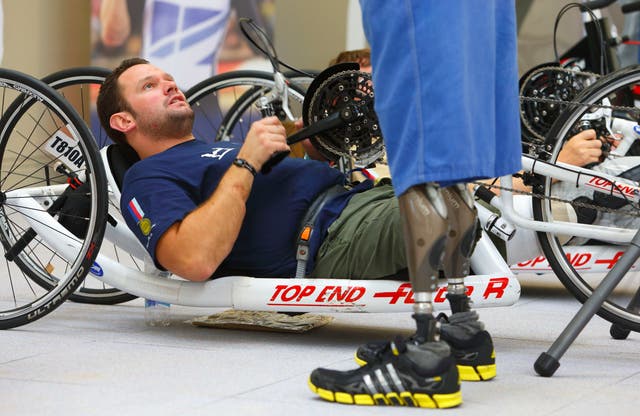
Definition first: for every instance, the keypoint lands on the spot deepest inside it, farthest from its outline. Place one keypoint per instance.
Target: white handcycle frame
(494, 285)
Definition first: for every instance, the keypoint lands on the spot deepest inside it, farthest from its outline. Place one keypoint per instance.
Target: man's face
(158, 106)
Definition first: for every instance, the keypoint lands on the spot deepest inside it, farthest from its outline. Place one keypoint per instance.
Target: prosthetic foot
(391, 377)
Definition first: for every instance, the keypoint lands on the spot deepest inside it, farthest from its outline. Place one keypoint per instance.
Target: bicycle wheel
(224, 104)
(80, 87)
(618, 91)
(54, 205)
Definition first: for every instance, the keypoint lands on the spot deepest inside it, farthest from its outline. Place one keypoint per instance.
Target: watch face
(244, 164)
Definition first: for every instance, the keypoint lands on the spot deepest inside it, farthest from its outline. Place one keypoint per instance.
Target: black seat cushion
(120, 159)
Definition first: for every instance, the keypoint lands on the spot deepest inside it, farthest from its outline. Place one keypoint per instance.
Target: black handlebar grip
(274, 160)
(598, 4)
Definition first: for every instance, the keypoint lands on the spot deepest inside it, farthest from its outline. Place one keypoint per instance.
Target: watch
(244, 164)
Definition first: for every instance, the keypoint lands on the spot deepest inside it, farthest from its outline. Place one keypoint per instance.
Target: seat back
(119, 160)
(116, 161)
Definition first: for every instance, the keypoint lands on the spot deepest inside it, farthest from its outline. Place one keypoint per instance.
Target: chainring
(551, 83)
(359, 140)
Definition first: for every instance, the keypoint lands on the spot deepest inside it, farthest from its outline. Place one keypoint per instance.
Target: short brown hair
(361, 56)
(111, 101)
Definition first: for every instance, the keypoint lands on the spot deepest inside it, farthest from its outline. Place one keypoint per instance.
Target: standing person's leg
(421, 372)
(447, 103)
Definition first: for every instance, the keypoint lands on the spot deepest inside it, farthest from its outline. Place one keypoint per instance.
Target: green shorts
(366, 241)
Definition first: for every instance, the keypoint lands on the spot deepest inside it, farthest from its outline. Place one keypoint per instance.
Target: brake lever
(283, 93)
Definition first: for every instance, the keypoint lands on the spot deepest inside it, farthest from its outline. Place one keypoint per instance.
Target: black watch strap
(244, 164)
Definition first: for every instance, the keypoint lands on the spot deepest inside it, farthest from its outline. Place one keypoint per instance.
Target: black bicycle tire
(234, 78)
(551, 247)
(34, 90)
(58, 80)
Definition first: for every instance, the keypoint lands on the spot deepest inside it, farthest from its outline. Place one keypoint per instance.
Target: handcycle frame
(493, 274)
(496, 286)
(249, 293)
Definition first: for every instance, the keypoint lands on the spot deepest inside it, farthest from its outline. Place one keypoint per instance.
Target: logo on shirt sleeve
(136, 211)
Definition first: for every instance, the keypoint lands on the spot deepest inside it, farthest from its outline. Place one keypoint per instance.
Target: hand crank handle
(335, 120)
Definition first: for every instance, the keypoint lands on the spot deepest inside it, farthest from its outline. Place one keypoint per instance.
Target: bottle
(157, 313)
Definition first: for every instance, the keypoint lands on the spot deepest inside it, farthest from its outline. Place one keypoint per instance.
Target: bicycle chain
(568, 89)
(557, 199)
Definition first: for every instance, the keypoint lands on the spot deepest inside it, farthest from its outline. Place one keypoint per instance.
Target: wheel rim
(578, 282)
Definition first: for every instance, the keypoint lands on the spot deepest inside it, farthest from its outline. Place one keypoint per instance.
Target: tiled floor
(103, 360)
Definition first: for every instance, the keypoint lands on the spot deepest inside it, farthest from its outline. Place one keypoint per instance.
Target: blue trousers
(446, 84)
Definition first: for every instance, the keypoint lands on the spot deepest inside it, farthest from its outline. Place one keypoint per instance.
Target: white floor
(103, 360)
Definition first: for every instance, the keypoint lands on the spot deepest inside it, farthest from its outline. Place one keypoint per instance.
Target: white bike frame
(243, 292)
(495, 285)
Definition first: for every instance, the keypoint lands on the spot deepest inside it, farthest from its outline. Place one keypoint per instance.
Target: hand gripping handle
(335, 120)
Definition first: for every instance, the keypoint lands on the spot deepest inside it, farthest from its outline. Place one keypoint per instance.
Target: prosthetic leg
(471, 345)
(425, 227)
(462, 216)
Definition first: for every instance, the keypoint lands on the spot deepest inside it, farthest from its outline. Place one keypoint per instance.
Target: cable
(270, 51)
(604, 63)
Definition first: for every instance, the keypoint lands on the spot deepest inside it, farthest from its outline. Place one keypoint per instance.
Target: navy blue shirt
(162, 189)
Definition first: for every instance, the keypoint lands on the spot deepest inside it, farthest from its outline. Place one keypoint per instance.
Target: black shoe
(410, 375)
(474, 353)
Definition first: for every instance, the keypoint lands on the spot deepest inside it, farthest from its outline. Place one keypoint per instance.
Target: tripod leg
(548, 362)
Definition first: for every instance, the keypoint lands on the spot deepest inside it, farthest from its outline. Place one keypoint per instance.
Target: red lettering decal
(440, 295)
(409, 298)
(537, 260)
(526, 263)
(581, 259)
(402, 292)
(355, 294)
(279, 289)
(291, 293)
(305, 292)
(611, 262)
(323, 293)
(469, 290)
(496, 285)
(338, 294)
(92, 247)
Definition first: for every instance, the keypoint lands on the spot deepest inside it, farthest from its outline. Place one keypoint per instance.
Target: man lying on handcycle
(204, 210)
(252, 221)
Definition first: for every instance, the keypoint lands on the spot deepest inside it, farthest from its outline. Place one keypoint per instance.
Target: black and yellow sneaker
(471, 345)
(410, 375)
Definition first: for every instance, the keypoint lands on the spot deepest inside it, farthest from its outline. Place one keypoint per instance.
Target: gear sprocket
(333, 90)
(542, 89)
